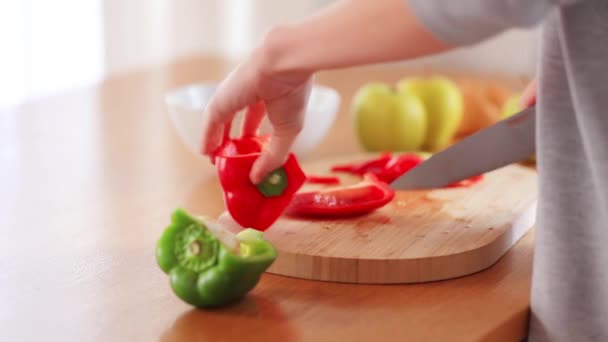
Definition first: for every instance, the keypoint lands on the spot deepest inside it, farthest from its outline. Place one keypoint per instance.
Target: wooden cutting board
(420, 236)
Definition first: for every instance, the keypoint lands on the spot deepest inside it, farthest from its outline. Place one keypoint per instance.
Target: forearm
(349, 33)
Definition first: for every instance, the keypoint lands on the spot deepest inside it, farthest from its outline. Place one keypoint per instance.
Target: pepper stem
(274, 184)
(275, 179)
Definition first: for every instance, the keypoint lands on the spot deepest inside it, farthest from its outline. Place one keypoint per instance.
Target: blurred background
(49, 47)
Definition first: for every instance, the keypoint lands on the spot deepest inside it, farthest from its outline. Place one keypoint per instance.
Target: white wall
(48, 47)
(145, 32)
(51, 46)
(140, 32)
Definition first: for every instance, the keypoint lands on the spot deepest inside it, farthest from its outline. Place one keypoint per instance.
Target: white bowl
(186, 107)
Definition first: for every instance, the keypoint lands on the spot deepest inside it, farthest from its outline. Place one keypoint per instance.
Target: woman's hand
(262, 91)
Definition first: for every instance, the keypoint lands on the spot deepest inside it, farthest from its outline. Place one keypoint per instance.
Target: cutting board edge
(361, 271)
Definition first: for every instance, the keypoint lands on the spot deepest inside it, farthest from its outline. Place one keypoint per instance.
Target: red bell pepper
(250, 205)
(322, 179)
(339, 201)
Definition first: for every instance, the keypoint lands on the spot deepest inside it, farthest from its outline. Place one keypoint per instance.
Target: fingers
(272, 157)
(216, 128)
(212, 135)
(253, 118)
(224, 131)
(286, 115)
(528, 98)
(227, 128)
(232, 95)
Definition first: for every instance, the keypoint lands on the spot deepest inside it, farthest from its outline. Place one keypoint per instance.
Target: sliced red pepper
(361, 198)
(399, 165)
(369, 166)
(250, 205)
(243, 145)
(386, 167)
(322, 179)
(466, 182)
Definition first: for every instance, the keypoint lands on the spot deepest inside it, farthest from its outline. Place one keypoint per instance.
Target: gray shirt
(570, 273)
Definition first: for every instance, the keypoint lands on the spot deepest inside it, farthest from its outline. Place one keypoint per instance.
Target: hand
(281, 96)
(528, 98)
(276, 78)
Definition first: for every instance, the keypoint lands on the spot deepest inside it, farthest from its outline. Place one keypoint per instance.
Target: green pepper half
(209, 266)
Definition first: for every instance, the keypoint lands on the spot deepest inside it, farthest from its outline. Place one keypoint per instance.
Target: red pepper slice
(246, 202)
(466, 182)
(361, 198)
(321, 179)
(369, 166)
(243, 145)
(386, 167)
(397, 166)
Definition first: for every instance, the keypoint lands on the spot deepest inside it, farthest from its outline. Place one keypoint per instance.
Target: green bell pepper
(209, 266)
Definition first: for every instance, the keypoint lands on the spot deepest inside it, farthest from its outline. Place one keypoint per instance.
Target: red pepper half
(250, 205)
(322, 179)
(360, 198)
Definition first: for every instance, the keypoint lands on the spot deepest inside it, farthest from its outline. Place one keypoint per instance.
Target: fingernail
(255, 175)
(255, 179)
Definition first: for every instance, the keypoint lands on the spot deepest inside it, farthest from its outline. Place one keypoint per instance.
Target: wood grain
(420, 236)
(88, 182)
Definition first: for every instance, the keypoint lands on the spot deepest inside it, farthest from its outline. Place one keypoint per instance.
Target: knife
(508, 141)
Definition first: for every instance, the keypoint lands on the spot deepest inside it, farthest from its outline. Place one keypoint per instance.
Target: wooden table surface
(88, 181)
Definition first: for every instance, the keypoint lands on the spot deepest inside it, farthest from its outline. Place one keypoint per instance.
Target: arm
(358, 32)
(278, 72)
(349, 33)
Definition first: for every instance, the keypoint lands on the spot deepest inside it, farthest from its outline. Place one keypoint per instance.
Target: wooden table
(88, 181)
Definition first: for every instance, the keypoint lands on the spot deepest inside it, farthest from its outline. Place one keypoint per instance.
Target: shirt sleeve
(465, 22)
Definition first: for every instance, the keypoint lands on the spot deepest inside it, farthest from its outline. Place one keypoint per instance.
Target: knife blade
(508, 141)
